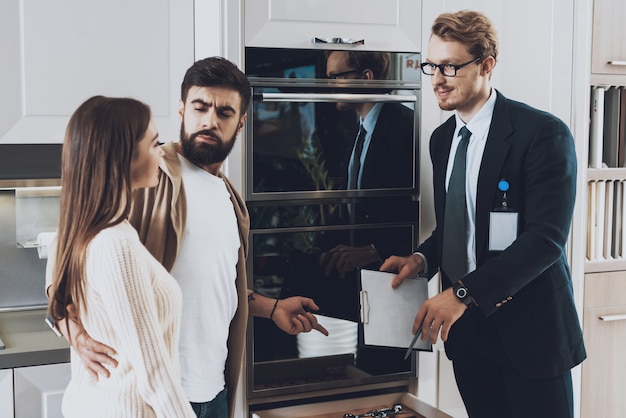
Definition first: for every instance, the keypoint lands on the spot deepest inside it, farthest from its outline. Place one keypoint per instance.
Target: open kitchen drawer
(411, 407)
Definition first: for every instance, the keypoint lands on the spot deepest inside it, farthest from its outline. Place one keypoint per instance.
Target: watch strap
(461, 292)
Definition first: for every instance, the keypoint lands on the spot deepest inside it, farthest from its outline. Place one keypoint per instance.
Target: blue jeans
(217, 408)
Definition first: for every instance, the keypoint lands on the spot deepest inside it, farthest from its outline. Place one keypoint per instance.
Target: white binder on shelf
(599, 227)
(608, 220)
(596, 136)
(591, 220)
(388, 314)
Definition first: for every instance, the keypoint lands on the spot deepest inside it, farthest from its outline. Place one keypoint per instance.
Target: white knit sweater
(134, 306)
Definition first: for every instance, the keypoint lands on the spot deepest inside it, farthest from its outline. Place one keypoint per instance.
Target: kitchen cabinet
(604, 324)
(608, 46)
(39, 390)
(34, 368)
(383, 25)
(55, 55)
(6, 393)
(603, 382)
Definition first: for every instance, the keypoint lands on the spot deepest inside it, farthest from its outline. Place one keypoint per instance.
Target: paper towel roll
(44, 239)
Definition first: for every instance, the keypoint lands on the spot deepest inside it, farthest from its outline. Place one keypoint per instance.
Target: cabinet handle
(613, 317)
(617, 62)
(339, 41)
(333, 97)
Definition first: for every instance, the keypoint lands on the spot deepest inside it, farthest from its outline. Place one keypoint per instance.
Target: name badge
(502, 222)
(502, 230)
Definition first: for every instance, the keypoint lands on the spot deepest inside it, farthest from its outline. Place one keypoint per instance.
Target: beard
(201, 153)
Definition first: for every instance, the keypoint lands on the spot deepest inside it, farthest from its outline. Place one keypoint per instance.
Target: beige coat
(159, 215)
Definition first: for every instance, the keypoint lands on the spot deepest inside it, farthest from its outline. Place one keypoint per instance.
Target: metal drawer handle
(613, 317)
(339, 41)
(330, 97)
(617, 62)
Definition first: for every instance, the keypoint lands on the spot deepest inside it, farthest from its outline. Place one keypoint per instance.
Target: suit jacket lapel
(494, 158)
(440, 150)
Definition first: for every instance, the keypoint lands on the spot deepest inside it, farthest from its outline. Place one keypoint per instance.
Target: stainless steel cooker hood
(24, 165)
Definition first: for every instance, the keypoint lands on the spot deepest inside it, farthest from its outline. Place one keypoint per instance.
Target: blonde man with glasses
(503, 209)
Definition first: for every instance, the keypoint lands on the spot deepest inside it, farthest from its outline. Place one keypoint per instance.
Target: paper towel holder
(37, 211)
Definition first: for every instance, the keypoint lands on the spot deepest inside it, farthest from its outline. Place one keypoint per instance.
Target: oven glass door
(316, 219)
(301, 144)
(288, 262)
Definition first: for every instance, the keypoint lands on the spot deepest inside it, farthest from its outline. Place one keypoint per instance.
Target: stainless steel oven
(301, 147)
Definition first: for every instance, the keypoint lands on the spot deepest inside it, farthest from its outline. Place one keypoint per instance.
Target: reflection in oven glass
(321, 207)
(299, 146)
(303, 264)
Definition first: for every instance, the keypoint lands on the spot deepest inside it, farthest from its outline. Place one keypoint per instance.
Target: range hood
(30, 165)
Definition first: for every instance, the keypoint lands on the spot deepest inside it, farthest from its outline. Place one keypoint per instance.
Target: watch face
(461, 292)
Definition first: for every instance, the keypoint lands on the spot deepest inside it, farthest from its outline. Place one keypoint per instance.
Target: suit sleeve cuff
(424, 272)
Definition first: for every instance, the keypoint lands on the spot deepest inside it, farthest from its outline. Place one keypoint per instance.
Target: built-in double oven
(316, 220)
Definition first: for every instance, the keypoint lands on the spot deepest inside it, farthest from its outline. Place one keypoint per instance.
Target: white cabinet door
(604, 329)
(39, 390)
(6, 393)
(384, 25)
(608, 53)
(55, 55)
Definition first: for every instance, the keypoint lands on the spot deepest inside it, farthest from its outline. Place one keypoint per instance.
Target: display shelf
(594, 174)
(597, 266)
(608, 80)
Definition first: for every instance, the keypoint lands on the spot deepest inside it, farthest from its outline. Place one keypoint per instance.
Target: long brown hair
(99, 146)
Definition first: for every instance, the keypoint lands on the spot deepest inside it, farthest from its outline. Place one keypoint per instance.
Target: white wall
(219, 32)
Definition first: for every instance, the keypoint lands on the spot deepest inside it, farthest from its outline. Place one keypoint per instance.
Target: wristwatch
(461, 292)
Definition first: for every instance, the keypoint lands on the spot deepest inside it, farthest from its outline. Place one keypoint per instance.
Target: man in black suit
(507, 312)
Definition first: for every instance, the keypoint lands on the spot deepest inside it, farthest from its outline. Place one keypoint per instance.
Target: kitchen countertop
(28, 340)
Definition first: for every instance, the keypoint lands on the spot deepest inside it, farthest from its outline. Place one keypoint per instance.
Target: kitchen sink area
(28, 341)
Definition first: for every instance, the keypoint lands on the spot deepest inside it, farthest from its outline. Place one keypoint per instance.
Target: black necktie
(454, 254)
(356, 162)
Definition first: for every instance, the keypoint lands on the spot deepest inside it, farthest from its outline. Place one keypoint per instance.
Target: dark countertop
(28, 340)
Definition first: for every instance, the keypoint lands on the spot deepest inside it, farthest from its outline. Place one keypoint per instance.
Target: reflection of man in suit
(382, 157)
(507, 316)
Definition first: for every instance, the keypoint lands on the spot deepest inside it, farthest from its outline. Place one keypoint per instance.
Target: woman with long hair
(123, 296)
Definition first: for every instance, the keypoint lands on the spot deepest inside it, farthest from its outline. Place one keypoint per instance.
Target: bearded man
(196, 224)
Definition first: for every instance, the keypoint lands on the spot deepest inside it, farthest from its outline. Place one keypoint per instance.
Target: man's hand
(406, 267)
(345, 258)
(292, 316)
(438, 313)
(94, 355)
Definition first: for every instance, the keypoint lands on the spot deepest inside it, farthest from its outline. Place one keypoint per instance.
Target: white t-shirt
(205, 269)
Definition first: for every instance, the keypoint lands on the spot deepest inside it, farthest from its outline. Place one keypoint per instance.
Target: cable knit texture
(133, 305)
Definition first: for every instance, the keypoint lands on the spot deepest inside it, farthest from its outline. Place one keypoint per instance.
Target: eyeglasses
(448, 70)
(336, 76)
